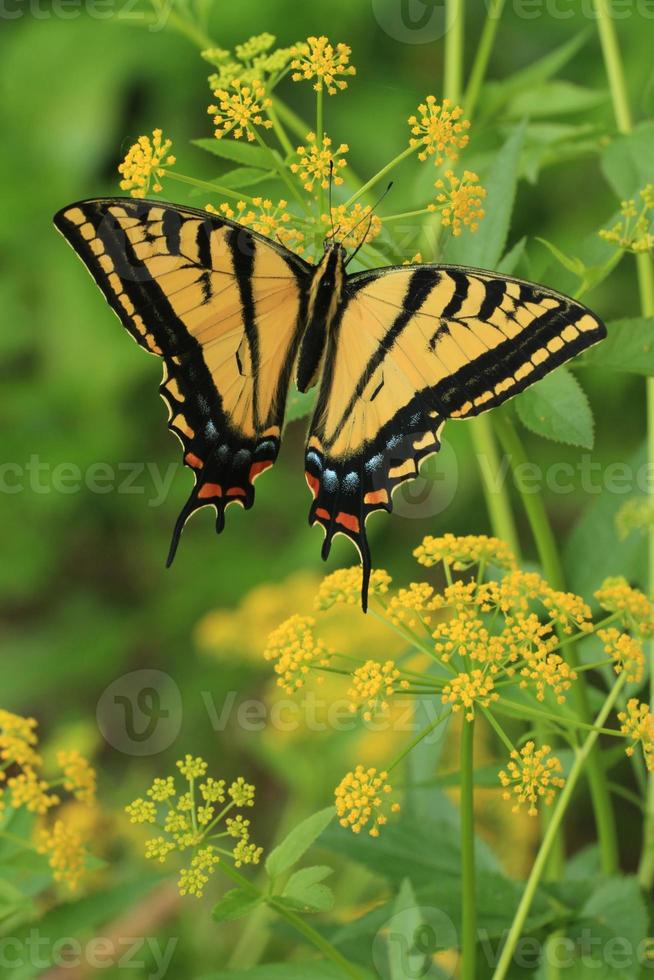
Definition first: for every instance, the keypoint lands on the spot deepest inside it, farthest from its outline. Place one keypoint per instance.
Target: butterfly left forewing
(223, 307)
(413, 347)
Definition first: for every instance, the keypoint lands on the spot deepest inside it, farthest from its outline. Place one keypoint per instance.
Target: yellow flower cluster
(29, 788)
(145, 163)
(344, 585)
(468, 689)
(460, 201)
(294, 650)
(252, 61)
(412, 607)
(439, 129)
(195, 819)
(240, 109)
(353, 224)
(637, 724)
(626, 651)
(363, 798)
(320, 60)
(372, 684)
(634, 609)
(266, 218)
(633, 231)
(316, 161)
(533, 777)
(462, 551)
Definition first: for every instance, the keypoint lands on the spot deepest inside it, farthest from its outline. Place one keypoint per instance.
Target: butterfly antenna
(368, 215)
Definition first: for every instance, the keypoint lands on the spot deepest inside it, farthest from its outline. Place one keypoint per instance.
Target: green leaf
(234, 904)
(511, 259)
(573, 265)
(553, 99)
(304, 893)
(299, 404)
(407, 955)
(300, 839)
(485, 247)
(245, 153)
(628, 347)
(497, 94)
(244, 177)
(627, 161)
(557, 408)
(610, 929)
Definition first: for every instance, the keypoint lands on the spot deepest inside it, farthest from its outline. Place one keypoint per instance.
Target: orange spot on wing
(236, 492)
(376, 497)
(322, 513)
(210, 490)
(313, 483)
(349, 521)
(193, 461)
(257, 468)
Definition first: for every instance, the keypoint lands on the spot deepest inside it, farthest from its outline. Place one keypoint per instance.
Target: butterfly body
(395, 352)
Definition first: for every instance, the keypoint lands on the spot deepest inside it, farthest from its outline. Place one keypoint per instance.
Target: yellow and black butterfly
(396, 351)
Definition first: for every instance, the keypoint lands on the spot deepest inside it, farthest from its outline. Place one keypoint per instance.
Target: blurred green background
(84, 595)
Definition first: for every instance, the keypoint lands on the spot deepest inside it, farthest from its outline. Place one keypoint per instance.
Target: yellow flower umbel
(626, 652)
(533, 777)
(316, 160)
(439, 129)
(79, 776)
(372, 684)
(196, 820)
(272, 220)
(468, 689)
(363, 800)
(145, 164)
(18, 740)
(344, 585)
(66, 852)
(463, 551)
(240, 109)
(637, 724)
(320, 60)
(633, 608)
(460, 201)
(633, 231)
(355, 224)
(294, 650)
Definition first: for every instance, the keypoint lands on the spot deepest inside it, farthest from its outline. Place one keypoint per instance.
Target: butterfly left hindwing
(224, 308)
(412, 347)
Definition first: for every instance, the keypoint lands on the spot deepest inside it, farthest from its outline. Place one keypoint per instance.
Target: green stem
(378, 176)
(468, 884)
(496, 496)
(624, 121)
(281, 170)
(549, 558)
(279, 131)
(207, 186)
(482, 57)
(581, 759)
(453, 75)
(309, 933)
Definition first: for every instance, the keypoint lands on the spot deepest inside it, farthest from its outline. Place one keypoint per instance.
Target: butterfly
(395, 352)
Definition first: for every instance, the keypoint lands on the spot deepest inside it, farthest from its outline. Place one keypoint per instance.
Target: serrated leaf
(557, 408)
(484, 249)
(304, 890)
(234, 904)
(244, 177)
(629, 346)
(245, 153)
(298, 842)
